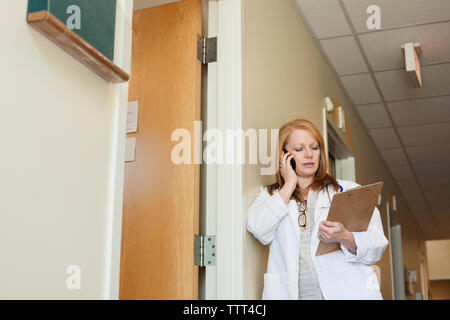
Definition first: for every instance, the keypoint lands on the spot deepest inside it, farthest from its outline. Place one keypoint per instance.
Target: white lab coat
(341, 274)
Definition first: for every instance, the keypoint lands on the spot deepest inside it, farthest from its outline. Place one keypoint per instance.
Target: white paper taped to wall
(130, 149)
(132, 116)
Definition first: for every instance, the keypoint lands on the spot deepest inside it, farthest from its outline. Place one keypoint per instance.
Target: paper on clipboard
(354, 209)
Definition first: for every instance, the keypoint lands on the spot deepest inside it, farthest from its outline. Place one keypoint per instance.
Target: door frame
(222, 185)
(342, 152)
(224, 214)
(391, 265)
(122, 57)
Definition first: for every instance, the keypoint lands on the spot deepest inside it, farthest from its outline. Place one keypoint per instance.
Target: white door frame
(391, 263)
(344, 159)
(223, 200)
(122, 57)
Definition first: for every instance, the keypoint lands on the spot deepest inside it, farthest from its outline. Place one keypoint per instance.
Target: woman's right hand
(289, 177)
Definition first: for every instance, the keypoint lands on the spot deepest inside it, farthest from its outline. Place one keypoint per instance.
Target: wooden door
(161, 199)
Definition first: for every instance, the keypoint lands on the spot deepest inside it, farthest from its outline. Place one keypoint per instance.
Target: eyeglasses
(302, 210)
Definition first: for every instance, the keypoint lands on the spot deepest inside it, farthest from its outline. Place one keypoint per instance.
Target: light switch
(132, 116)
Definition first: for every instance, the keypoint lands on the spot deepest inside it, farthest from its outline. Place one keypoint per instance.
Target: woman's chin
(306, 173)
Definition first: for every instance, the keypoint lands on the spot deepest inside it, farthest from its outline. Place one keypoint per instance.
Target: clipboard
(354, 209)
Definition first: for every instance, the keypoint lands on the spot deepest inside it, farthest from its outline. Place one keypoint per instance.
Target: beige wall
(61, 165)
(286, 77)
(438, 259)
(410, 251)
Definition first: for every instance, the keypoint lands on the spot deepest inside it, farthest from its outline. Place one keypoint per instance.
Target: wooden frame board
(58, 32)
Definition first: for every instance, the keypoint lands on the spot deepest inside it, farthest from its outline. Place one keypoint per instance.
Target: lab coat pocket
(362, 283)
(275, 287)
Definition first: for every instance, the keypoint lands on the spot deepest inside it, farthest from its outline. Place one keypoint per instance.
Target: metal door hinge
(206, 49)
(204, 250)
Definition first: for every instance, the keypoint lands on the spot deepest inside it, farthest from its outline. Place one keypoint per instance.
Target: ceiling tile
(421, 213)
(374, 116)
(394, 157)
(344, 55)
(428, 134)
(420, 111)
(419, 207)
(442, 227)
(440, 210)
(402, 173)
(425, 221)
(432, 170)
(324, 17)
(383, 49)
(439, 195)
(385, 138)
(434, 183)
(396, 85)
(410, 189)
(429, 154)
(361, 88)
(398, 13)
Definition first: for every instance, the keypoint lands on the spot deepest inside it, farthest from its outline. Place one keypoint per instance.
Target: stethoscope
(328, 193)
(329, 198)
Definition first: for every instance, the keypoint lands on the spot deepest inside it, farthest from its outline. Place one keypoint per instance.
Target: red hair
(321, 179)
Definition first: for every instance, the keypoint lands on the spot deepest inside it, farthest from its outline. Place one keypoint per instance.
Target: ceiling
(410, 126)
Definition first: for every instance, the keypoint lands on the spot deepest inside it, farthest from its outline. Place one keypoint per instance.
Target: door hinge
(204, 250)
(207, 49)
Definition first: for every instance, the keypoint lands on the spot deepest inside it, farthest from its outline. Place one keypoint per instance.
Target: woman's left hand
(330, 231)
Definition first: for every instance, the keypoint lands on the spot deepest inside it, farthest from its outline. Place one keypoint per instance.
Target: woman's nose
(308, 153)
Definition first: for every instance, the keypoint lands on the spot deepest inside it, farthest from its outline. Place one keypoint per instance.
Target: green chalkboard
(93, 20)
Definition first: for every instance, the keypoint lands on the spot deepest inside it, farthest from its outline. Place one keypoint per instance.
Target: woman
(290, 215)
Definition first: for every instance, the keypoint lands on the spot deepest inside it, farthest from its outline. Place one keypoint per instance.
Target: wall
(440, 290)
(438, 262)
(438, 259)
(286, 77)
(62, 140)
(410, 251)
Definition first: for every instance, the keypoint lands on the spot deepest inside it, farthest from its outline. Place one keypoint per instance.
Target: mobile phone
(293, 164)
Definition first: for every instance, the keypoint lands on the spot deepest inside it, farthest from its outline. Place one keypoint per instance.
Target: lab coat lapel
(320, 213)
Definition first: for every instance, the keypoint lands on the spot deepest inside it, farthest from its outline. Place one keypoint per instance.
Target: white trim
(230, 202)
(208, 214)
(391, 263)
(342, 145)
(423, 277)
(325, 134)
(343, 154)
(222, 189)
(122, 57)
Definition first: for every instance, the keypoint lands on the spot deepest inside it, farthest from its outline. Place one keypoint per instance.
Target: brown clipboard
(354, 209)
